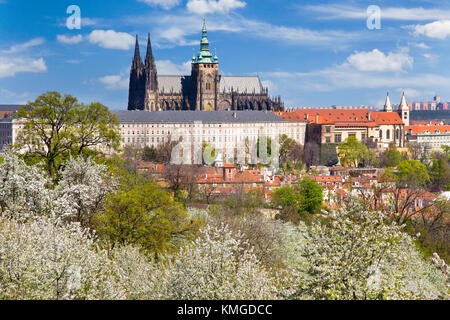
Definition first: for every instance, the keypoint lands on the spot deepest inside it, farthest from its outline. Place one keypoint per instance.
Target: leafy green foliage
(57, 127)
(328, 155)
(391, 157)
(304, 198)
(352, 153)
(146, 216)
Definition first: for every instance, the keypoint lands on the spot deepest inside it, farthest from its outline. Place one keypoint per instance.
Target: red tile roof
(326, 116)
(429, 129)
(386, 118)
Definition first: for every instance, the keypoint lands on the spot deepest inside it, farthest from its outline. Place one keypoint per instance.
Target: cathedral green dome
(205, 56)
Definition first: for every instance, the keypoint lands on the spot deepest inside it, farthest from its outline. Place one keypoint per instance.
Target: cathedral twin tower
(205, 89)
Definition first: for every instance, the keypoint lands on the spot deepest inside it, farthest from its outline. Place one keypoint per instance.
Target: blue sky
(312, 53)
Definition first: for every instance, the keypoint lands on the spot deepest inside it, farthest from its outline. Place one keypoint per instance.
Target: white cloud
(351, 12)
(420, 45)
(9, 66)
(165, 4)
(14, 61)
(212, 6)
(414, 93)
(178, 30)
(113, 82)
(88, 22)
(437, 29)
(167, 67)
(376, 60)
(24, 46)
(69, 39)
(10, 94)
(110, 39)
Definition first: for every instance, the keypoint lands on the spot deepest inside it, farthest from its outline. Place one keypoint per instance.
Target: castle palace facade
(205, 89)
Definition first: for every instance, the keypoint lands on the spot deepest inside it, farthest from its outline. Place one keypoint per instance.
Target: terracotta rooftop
(386, 118)
(428, 129)
(326, 116)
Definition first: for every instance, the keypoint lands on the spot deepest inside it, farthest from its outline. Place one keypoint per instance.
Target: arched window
(381, 134)
(388, 134)
(397, 134)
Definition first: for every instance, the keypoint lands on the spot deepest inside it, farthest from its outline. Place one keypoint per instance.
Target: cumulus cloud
(376, 60)
(9, 66)
(169, 68)
(331, 12)
(14, 60)
(113, 82)
(165, 4)
(24, 46)
(438, 29)
(69, 39)
(420, 45)
(110, 39)
(213, 6)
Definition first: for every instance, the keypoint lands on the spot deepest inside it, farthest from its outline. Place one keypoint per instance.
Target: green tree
(328, 155)
(352, 153)
(149, 154)
(412, 174)
(391, 157)
(311, 195)
(147, 216)
(439, 173)
(56, 127)
(305, 197)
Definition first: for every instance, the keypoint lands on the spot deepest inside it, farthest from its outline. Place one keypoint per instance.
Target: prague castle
(205, 89)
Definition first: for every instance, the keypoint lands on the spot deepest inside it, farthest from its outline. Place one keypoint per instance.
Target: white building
(431, 136)
(233, 134)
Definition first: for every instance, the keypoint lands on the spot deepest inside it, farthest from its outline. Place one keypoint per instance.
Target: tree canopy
(56, 127)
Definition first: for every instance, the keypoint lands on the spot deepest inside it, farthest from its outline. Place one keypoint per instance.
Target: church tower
(136, 94)
(403, 110)
(205, 77)
(151, 80)
(387, 104)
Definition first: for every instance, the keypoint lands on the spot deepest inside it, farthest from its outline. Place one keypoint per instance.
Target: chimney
(368, 114)
(317, 118)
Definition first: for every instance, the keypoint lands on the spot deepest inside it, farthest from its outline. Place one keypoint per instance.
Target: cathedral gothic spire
(137, 85)
(151, 75)
(387, 104)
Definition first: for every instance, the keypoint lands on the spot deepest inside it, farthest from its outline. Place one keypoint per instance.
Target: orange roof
(386, 118)
(326, 116)
(426, 123)
(428, 129)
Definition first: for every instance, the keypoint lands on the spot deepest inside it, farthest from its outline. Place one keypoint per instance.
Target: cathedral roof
(241, 84)
(173, 83)
(193, 116)
(237, 83)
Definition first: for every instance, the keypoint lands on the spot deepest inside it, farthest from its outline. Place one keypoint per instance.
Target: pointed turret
(137, 61)
(403, 110)
(150, 68)
(387, 104)
(204, 56)
(151, 79)
(403, 104)
(136, 93)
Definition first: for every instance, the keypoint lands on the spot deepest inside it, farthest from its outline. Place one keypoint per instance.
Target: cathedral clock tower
(205, 77)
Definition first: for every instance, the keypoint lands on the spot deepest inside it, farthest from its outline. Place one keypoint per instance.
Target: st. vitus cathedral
(205, 89)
